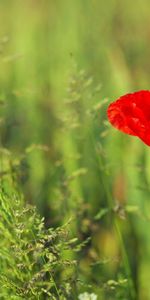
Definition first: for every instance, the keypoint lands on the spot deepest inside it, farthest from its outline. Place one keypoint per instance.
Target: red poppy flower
(131, 114)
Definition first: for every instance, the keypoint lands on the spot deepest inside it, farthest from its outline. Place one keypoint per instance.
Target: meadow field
(74, 192)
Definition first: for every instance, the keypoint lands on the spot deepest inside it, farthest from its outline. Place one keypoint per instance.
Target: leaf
(132, 209)
(102, 213)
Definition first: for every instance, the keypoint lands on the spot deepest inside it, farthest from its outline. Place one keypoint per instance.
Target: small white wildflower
(87, 296)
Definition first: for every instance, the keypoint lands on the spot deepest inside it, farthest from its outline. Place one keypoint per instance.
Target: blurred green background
(61, 63)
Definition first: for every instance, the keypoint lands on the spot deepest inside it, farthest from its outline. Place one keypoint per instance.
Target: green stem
(119, 234)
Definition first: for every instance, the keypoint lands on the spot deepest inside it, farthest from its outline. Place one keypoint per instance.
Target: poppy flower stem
(131, 285)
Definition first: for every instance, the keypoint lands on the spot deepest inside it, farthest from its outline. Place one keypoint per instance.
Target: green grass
(61, 63)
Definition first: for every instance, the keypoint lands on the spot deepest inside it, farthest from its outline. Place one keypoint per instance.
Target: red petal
(131, 114)
(118, 119)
